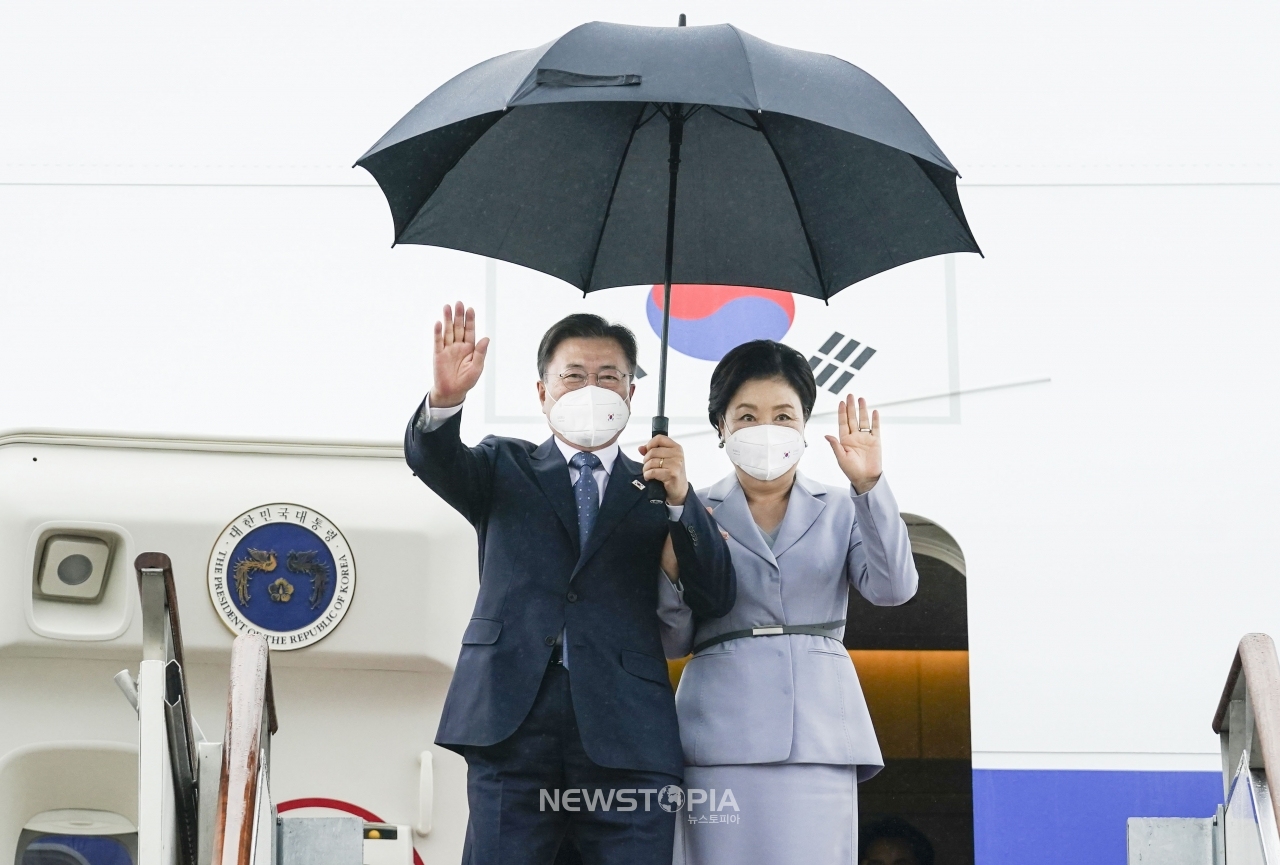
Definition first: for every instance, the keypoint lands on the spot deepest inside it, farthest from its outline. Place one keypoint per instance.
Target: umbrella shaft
(661, 419)
(675, 127)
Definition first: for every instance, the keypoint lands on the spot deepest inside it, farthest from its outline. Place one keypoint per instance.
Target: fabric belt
(825, 629)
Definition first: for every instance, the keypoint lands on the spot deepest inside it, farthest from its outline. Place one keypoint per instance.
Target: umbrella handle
(657, 492)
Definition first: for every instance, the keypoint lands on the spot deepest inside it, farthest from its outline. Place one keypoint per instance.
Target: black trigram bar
(825, 374)
(840, 383)
(640, 373)
(861, 359)
(847, 350)
(831, 343)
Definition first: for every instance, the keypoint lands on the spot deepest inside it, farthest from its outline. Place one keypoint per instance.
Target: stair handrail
(162, 642)
(1248, 716)
(251, 719)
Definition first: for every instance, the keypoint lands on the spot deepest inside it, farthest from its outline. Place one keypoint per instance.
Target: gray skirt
(771, 814)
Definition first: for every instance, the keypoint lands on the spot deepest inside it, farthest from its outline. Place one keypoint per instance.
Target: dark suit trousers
(513, 822)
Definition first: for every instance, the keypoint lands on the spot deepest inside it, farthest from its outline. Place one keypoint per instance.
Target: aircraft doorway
(913, 662)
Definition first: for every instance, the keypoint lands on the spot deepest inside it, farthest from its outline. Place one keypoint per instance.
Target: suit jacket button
(550, 641)
(573, 597)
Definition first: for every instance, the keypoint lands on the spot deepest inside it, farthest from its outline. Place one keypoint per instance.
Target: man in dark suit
(560, 700)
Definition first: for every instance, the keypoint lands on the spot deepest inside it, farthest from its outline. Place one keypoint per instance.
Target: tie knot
(582, 458)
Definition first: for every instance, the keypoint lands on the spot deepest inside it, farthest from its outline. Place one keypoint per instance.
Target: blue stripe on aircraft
(1023, 817)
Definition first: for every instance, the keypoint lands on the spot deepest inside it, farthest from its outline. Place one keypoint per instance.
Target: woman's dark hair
(761, 358)
(585, 325)
(896, 829)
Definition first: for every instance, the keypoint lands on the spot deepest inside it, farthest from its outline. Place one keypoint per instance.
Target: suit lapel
(804, 507)
(552, 473)
(620, 496)
(733, 514)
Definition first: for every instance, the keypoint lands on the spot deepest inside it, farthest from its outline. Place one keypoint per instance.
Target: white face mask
(589, 416)
(765, 451)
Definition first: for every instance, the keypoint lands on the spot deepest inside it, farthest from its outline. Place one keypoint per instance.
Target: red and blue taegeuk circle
(708, 320)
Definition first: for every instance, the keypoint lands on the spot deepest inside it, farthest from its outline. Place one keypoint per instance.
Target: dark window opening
(913, 663)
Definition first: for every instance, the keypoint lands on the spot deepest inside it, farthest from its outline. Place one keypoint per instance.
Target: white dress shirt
(669, 594)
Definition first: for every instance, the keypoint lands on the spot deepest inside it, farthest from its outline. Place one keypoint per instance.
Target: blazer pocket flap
(482, 632)
(646, 667)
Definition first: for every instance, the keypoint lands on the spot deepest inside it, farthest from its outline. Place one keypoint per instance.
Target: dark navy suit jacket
(534, 580)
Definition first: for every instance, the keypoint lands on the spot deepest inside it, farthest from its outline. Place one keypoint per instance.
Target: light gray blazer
(791, 698)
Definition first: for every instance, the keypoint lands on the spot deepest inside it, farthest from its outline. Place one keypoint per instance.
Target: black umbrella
(798, 171)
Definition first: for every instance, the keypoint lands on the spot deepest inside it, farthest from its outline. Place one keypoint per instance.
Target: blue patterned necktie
(586, 494)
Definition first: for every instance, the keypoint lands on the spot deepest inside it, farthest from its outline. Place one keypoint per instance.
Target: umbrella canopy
(800, 172)
(797, 171)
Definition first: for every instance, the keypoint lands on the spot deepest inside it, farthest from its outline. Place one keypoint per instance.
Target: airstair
(202, 802)
(1244, 830)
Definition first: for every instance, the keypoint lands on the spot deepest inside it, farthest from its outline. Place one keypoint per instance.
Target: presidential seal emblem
(283, 571)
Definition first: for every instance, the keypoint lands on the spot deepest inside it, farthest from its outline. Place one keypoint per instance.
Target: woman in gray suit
(774, 726)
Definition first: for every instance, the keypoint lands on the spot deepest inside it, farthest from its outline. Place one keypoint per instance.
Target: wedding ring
(860, 429)
(662, 461)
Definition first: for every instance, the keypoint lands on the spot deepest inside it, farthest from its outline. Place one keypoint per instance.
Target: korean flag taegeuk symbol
(709, 320)
(283, 571)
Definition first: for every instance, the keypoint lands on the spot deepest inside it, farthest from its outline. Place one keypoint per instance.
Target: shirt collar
(606, 455)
